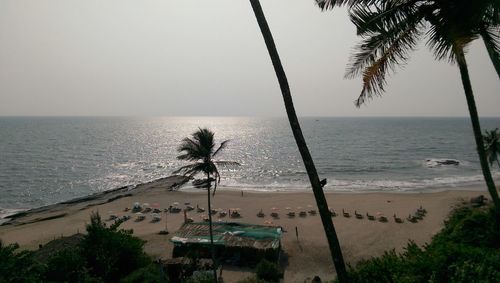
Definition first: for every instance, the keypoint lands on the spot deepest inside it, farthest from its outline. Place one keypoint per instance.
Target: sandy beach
(305, 256)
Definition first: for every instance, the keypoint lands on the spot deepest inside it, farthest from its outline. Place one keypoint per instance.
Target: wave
(373, 185)
(4, 212)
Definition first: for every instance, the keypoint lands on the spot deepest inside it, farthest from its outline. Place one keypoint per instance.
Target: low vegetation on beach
(104, 254)
(467, 249)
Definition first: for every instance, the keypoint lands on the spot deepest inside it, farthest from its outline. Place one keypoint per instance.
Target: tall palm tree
(317, 188)
(483, 18)
(201, 150)
(492, 142)
(391, 29)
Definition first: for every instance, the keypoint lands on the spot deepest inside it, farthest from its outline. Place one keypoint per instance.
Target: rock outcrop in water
(440, 162)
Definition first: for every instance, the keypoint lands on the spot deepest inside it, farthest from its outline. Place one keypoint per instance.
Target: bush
(111, 254)
(466, 250)
(201, 277)
(17, 266)
(253, 279)
(67, 266)
(148, 274)
(268, 271)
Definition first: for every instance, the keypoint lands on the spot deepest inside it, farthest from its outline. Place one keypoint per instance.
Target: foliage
(253, 279)
(466, 250)
(111, 254)
(268, 271)
(148, 274)
(492, 146)
(201, 150)
(67, 266)
(103, 255)
(201, 277)
(17, 266)
(391, 29)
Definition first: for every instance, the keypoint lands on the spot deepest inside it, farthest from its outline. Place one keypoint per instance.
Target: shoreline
(307, 255)
(130, 190)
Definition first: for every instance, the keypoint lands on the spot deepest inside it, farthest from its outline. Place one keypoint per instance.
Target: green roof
(230, 234)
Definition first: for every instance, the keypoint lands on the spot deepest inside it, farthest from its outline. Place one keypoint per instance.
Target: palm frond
(330, 4)
(491, 39)
(217, 179)
(227, 163)
(205, 139)
(190, 150)
(191, 169)
(221, 147)
(385, 46)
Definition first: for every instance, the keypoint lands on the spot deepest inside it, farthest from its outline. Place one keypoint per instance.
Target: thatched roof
(229, 235)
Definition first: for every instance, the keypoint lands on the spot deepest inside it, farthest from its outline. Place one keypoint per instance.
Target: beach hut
(237, 243)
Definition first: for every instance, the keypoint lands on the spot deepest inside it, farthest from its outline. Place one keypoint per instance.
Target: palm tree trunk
(212, 248)
(319, 195)
(491, 48)
(464, 73)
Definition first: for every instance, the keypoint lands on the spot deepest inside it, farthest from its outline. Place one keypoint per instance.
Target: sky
(199, 57)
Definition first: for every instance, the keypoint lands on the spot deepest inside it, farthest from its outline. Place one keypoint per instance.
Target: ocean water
(48, 160)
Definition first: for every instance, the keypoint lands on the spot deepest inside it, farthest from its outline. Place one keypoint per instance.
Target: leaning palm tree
(317, 187)
(483, 17)
(391, 29)
(201, 150)
(492, 143)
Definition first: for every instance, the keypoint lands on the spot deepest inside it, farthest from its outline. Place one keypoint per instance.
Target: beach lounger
(261, 214)
(358, 215)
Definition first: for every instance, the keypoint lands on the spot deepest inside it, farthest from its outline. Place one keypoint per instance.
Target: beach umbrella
(274, 208)
(137, 205)
(175, 203)
(139, 213)
(288, 208)
(145, 204)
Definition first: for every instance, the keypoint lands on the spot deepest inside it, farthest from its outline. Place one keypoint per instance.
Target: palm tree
(483, 18)
(201, 150)
(391, 29)
(492, 142)
(317, 188)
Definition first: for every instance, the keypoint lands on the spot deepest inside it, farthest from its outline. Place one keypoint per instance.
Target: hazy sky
(199, 57)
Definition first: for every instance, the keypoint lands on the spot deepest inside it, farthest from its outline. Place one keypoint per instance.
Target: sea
(45, 160)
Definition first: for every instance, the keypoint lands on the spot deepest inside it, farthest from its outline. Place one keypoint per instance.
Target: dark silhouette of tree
(201, 150)
(492, 143)
(317, 188)
(392, 28)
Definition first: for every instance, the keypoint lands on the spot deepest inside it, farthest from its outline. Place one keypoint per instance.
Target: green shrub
(268, 271)
(466, 250)
(253, 279)
(201, 277)
(17, 266)
(148, 274)
(111, 254)
(67, 266)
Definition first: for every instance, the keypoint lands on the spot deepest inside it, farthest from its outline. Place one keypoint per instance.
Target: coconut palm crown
(492, 146)
(201, 149)
(391, 29)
